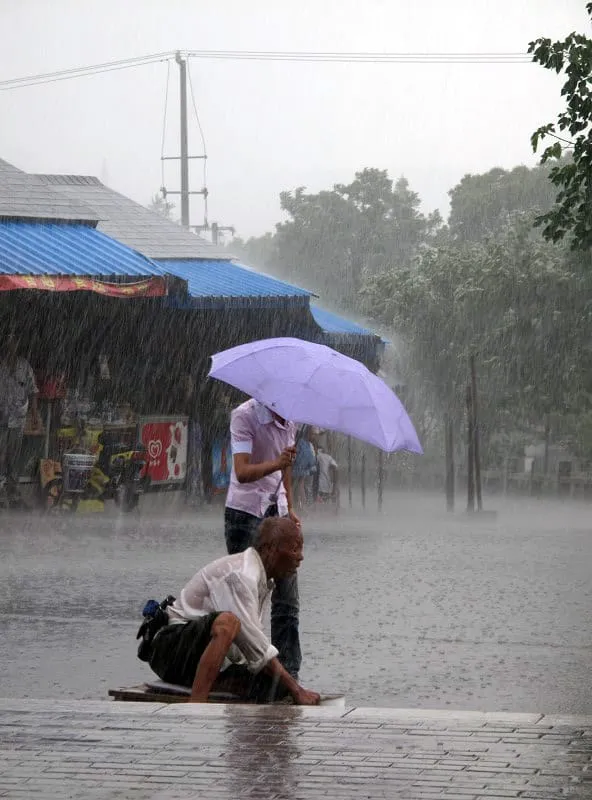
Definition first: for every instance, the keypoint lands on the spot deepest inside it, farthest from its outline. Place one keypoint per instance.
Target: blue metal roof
(30, 248)
(331, 323)
(226, 279)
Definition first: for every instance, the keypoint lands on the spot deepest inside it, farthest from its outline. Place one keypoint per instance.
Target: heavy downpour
(295, 400)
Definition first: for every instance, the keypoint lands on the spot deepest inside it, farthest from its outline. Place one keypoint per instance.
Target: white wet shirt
(239, 584)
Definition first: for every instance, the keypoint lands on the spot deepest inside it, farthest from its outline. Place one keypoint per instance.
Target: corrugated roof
(332, 323)
(22, 196)
(226, 279)
(29, 248)
(131, 223)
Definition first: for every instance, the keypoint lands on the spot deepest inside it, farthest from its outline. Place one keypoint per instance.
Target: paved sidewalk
(78, 749)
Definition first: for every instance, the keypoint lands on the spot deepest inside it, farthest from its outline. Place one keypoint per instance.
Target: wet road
(411, 609)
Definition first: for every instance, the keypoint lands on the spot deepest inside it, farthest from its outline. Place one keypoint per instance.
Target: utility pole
(184, 158)
(184, 152)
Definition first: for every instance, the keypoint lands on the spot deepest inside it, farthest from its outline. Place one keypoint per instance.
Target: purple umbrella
(313, 384)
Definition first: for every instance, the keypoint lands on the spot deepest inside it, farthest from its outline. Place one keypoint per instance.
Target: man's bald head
(279, 543)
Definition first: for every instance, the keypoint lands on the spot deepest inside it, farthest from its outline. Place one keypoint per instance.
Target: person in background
(328, 476)
(304, 467)
(263, 452)
(18, 391)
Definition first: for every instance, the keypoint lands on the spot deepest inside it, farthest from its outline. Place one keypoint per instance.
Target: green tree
(332, 239)
(480, 205)
(515, 301)
(571, 135)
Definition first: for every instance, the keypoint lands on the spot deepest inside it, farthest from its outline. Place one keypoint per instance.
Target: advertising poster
(165, 440)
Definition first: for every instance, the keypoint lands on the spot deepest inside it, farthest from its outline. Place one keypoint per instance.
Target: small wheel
(55, 499)
(126, 498)
(52, 494)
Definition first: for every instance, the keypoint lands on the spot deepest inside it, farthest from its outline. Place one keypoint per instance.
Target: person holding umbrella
(263, 451)
(310, 384)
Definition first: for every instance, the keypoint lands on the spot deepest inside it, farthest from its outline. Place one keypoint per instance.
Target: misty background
(273, 126)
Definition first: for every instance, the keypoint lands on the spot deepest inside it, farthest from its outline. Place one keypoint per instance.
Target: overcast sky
(275, 126)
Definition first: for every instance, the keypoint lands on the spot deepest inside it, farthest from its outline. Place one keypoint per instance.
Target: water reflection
(262, 750)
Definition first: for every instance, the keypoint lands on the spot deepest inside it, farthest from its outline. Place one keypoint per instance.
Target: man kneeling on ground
(216, 622)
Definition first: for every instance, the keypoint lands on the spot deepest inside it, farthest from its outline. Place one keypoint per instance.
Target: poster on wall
(165, 440)
(221, 464)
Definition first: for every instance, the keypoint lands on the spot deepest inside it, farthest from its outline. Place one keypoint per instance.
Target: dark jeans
(239, 531)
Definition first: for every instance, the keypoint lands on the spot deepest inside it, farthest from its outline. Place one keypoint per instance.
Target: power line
(254, 55)
(203, 142)
(81, 72)
(361, 57)
(164, 121)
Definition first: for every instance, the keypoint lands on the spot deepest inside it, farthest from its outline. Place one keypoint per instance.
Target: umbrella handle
(299, 435)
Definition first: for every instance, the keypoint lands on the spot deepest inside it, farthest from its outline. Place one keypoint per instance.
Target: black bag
(155, 618)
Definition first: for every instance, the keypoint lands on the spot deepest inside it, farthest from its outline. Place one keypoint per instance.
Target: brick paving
(78, 749)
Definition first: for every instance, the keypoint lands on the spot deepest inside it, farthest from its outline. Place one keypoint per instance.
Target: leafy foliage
(515, 301)
(480, 205)
(573, 177)
(332, 239)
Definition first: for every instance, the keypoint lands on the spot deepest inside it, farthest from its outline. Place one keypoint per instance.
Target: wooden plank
(144, 693)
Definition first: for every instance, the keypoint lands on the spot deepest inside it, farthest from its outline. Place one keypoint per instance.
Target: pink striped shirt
(255, 431)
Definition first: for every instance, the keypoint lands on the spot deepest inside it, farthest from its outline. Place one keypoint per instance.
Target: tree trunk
(449, 460)
(470, 452)
(476, 453)
(547, 443)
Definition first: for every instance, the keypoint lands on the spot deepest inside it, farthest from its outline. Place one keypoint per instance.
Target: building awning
(335, 325)
(216, 284)
(44, 249)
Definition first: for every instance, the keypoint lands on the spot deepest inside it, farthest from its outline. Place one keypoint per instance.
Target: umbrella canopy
(314, 384)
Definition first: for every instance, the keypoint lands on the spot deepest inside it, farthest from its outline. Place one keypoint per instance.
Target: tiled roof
(22, 196)
(46, 248)
(131, 223)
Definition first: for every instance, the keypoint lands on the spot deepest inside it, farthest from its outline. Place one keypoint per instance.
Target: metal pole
(380, 478)
(476, 435)
(349, 470)
(184, 152)
(470, 453)
(363, 480)
(47, 430)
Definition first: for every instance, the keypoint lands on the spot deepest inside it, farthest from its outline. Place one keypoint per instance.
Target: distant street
(410, 609)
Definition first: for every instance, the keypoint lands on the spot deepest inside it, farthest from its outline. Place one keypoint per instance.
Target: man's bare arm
(302, 697)
(247, 472)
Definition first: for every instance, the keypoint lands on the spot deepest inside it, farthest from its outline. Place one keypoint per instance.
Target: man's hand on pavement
(306, 697)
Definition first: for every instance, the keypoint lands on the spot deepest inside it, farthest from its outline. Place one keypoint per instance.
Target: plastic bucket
(76, 469)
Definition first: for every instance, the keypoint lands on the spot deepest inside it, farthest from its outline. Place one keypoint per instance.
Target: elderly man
(217, 619)
(263, 451)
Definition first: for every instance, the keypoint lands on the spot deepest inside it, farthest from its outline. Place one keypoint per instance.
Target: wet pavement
(57, 749)
(412, 609)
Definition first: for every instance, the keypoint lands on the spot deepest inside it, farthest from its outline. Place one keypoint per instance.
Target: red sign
(151, 287)
(166, 444)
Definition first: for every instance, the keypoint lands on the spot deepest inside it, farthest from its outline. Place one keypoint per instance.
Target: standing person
(263, 451)
(303, 467)
(17, 390)
(328, 475)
